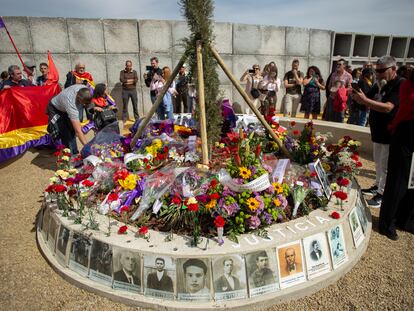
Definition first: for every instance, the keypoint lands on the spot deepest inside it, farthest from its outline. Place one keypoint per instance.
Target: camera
(251, 70)
(148, 68)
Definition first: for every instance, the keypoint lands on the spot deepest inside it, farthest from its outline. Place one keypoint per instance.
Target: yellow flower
(151, 150)
(211, 204)
(157, 143)
(278, 187)
(66, 150)
(326, 167)
(244, 172)
(277, 202)
(73, 171)
(53, 180)
(62, 174)
(253, 204)
(65, 158)
(192, 200)
(128, 183)
(334, 186)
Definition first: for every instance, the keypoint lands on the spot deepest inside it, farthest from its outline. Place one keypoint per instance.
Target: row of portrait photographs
(236, 276)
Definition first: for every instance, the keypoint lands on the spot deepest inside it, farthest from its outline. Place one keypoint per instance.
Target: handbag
(255, 93)
(108, 115)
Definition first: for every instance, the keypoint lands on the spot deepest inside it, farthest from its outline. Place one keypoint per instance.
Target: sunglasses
(382, 70)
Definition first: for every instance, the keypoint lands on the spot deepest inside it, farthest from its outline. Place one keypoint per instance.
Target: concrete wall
(104, 45)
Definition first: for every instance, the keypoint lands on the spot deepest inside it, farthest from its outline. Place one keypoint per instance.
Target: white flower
(53, 180)
(191, 157)
(66, 150)
(62, 174)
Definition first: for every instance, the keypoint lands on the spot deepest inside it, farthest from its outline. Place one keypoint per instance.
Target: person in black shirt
(383, 108)
(155, 69)
(15, 78)
(44, 69)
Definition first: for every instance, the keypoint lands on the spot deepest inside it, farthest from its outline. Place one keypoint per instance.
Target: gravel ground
(382, 280)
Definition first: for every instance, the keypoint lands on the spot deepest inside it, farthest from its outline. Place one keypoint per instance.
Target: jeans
(358, 117)
(380, 153)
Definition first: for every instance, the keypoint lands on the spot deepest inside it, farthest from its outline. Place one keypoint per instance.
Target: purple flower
(261, 204)
(253, 169)
(282, 200)
(253, 222)
(230, 209)
(227, 192)
(267, 218)
(268, 168)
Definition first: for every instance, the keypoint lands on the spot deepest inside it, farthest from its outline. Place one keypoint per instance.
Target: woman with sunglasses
(252, 78)
(397, 204)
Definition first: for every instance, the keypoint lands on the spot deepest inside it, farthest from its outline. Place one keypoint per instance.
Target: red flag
(53, 75)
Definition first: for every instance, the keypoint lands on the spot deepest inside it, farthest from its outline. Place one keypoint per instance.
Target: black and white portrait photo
(53, 230)
(323, 178)
(261, 269)
(361, 212)
(356, 227)
(127, 269)
(316, 255)
(337, 246)
(62, 243)
(229, 276)
(194, 279)
(79, 253)
(159, 276)
(100, 267)
(45, 222)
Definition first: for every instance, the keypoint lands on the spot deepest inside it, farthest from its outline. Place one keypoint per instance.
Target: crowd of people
(381, 93)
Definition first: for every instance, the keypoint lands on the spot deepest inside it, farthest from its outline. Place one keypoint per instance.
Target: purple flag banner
(2, 25)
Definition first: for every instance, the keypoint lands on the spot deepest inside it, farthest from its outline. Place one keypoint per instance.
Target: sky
(388, 17)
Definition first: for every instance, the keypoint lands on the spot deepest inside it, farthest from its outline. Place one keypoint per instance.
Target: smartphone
(355, 86)
(148, 68)
(251, 70)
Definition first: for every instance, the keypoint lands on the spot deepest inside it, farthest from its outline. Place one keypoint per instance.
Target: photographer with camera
(148, 77)
(252, 78)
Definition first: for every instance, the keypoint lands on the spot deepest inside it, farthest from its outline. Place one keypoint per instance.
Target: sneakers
(375, 201)
(370, 191)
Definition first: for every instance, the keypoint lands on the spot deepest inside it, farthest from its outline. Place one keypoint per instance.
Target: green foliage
(199, 14)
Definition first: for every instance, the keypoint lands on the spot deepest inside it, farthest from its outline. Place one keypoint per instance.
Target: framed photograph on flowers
(322, 177)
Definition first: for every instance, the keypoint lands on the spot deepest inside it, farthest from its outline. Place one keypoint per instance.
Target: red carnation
(296, 132)
(69, 183)
(335, 215)
(143, 230)
(145, 160)
(123, 230)
(219, 222)
(60, 147)
(313, 174)
(87, 183)
(57, 153)
(113, 197)
(165, 149)
(60, 188)
(193, 207)
(344, 182)
(213, 183)
(293, 123)
(176, 200)
(354, 157)
(124, 209)
(340, 195)
(358, 164)
(214, 196)
(50, 188)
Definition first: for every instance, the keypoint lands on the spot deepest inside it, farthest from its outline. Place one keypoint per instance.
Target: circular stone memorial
(163, 271)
